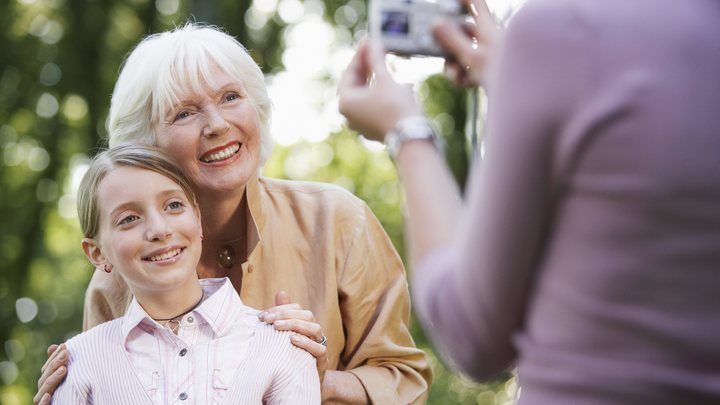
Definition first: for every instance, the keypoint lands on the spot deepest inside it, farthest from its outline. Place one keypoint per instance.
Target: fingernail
(61, 370)
(269, 318)
(280, 323)
(262, 316)
(62, 355)
(295, 338)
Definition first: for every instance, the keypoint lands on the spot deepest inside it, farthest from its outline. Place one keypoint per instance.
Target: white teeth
(221, 155)
(165, 256)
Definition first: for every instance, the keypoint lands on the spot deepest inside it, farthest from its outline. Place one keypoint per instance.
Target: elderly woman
(204, 100)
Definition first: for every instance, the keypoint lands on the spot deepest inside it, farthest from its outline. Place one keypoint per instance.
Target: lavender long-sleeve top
(590, 251)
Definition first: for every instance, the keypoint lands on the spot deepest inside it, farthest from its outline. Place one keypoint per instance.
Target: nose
(215, 122)
(157, 228)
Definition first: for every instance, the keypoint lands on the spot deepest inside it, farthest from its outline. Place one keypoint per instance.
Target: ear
(94, 253)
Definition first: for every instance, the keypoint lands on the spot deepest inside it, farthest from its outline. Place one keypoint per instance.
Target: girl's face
(214, 135)
(149, 231)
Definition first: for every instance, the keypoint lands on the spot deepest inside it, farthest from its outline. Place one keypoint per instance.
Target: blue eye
(232, 96)
(182, 115)
(175, 205)
(128, 219)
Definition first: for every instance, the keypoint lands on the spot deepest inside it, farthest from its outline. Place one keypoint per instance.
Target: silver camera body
(405, 26)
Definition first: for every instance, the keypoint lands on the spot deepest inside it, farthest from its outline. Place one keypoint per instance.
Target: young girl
(181, 340)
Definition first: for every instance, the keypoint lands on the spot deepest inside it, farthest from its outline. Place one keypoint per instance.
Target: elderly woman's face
(214, 135)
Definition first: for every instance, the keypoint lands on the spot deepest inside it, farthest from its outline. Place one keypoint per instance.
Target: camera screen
(395, 22)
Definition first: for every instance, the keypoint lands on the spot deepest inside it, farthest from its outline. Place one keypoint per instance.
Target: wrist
(414, 128)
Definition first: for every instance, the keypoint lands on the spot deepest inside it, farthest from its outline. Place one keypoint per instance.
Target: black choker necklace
(184, 313)
(226, 256)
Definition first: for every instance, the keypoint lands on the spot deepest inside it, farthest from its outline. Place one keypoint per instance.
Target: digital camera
(405, 26)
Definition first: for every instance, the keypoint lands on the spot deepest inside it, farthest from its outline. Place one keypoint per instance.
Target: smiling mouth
(164, 256)
(221, 154)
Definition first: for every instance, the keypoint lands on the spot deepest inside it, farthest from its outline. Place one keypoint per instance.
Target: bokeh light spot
(75, 108)
(50, 74)
(38, 159)
(47, 105)
(167, 7)
(26, 309)
(8, 372)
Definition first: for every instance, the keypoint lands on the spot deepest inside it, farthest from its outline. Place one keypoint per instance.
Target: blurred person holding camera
(587, 252)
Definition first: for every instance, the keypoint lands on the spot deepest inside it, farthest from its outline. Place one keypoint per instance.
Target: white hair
(166, 66)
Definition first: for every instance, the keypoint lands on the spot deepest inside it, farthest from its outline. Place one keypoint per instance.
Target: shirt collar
(223, 305)
(220, 308)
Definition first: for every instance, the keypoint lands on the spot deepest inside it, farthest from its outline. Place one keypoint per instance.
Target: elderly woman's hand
(370, 99)
(52, 374)
(309, 336)
(469, 45)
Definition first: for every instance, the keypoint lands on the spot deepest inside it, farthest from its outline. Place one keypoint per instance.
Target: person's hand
(370, 99)
(308, 333)
(469, 45)
(52, 374)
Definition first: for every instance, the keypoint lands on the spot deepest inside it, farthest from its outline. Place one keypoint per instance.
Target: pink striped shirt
(222, 354)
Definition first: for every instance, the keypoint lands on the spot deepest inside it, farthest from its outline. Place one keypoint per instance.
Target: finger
(282, 298)
(311, 330)
(56, 359)
(376, 61)
(51, 383)
(453, 38)
(310, 346)
(356, 74)
(51, 349)
(271, 311)
(452, 71)
(301, 314)
(45, 400)
(480, 11)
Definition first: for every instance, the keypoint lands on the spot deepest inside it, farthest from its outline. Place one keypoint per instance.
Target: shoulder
(92, 344)
(313, 195)
(276, 345)
(540, 19)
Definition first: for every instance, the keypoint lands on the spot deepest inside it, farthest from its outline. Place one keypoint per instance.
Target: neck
(223, 216)
(171, 303)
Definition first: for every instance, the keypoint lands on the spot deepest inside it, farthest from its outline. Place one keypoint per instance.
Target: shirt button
(183, 352)
(190, 319)
(183, 396)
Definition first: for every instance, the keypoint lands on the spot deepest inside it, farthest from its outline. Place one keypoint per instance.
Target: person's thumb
(282, 298)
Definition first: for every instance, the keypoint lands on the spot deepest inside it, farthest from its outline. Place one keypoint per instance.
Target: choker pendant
(226, 256)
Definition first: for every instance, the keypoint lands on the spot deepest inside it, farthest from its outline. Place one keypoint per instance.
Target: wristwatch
(414, 128)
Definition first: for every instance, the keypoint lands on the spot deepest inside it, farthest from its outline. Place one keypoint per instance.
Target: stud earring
(105, 268)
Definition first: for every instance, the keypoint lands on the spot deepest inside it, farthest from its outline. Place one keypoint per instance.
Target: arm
(486, 274)
(375, 304)
(431, 191)
(472, 298)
